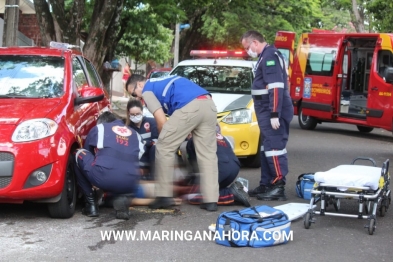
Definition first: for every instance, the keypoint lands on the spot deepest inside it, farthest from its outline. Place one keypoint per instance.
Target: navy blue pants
(116, 181)
(227, 173)
(274, 161)
(148, 159)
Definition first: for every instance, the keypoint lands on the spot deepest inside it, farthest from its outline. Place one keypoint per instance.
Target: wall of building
(29, 27)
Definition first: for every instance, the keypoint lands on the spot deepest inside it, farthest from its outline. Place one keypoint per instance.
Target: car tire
(365, 129)
(65, 207)
(306, 122)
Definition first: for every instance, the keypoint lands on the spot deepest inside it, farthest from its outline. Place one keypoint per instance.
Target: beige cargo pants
(198, 117)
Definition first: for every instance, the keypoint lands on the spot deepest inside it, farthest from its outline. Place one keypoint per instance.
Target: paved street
(27, 233)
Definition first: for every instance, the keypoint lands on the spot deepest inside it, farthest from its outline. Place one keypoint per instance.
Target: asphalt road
(28, 234)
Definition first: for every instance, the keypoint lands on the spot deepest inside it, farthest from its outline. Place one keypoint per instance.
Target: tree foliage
(144, 29)
(381, 11)
(146, 39)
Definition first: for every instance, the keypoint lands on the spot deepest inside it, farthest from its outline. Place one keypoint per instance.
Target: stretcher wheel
(337, 205)
(307, 221)
(371, 226)
(382, 210)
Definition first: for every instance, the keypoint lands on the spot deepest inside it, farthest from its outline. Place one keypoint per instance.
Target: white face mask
(251, 53)
(136, 119)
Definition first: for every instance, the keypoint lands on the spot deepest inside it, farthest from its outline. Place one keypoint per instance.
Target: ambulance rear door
(380, 100)
(316, 74)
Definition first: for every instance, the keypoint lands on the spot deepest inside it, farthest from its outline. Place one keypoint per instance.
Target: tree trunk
(45, 22)
(99, 45)
(192, 36)
(359, 18)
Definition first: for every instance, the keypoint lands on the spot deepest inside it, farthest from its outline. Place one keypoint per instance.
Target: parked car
(228, 77)
(159, 72)
(50, 98)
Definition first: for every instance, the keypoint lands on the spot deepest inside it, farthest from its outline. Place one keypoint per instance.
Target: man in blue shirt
(191, 110)
(274, 111)
(109, 161)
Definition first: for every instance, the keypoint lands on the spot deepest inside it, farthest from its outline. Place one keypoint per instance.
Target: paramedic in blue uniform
(231, 191)
(109, 161)
(147, 128)
(274, 111)
(191, 110)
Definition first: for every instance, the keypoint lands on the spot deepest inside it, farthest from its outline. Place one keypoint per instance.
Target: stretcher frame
(368, 199)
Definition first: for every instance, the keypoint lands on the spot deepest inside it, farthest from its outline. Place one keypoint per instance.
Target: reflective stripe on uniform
(275, 85)
(262, 149)
(281, 61)
(100, 136)
(259, 92)
(141, 146)
(168, 85)
(80, 150)
(146, 135)
(275, 152)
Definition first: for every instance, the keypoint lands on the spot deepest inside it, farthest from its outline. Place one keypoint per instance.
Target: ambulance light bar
(218, 53)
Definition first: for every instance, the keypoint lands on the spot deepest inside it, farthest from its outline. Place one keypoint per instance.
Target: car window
(31, 76)
(78, 73)
(285, 53)
(94, 78)
(222, 79)
(158, 74)
(320, 61)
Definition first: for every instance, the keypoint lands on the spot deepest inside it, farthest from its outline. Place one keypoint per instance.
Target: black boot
(209, 206)
(162, 202)
(258, 190)
(121, 204)
(276, 192)
(91, 208)
(240, 196)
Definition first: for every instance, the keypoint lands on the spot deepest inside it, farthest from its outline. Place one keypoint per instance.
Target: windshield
(218, 79)
(31, 76)
(159, 74)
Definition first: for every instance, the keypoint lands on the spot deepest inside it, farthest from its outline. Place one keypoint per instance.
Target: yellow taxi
(228, 77)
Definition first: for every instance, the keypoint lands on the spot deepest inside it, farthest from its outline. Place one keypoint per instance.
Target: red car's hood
(12, 111)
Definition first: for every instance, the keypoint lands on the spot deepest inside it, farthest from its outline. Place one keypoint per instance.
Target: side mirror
(89, 95)
(389, 75)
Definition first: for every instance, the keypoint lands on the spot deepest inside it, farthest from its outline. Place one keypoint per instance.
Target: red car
(159, 72)
(49, 100)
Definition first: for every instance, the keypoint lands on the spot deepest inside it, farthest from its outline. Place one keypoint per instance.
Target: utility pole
(176, 51)
(11, 20)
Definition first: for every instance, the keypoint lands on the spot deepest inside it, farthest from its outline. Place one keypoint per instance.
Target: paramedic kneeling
(191, 110)
(274, 111)
(231, 191)
(147, 128)
(110, 162)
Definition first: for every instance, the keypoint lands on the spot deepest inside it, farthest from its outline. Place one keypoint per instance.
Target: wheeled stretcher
(369, 185)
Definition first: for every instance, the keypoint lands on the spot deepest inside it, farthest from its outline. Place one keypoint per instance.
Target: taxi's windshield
(31, 76)
(218, 79)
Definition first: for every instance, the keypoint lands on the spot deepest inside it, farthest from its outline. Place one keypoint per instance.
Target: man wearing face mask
(191, 110)
(147, 128)
(274, 111)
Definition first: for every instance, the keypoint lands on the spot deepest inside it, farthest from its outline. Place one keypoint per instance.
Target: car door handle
(325, 84)
(374, 88)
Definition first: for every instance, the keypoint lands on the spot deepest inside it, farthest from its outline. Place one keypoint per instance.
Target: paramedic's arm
(91, 140)
(155, 108)
(273, 76)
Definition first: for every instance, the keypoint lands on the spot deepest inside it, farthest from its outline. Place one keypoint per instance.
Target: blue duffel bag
(304, 185)
(258, 226)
